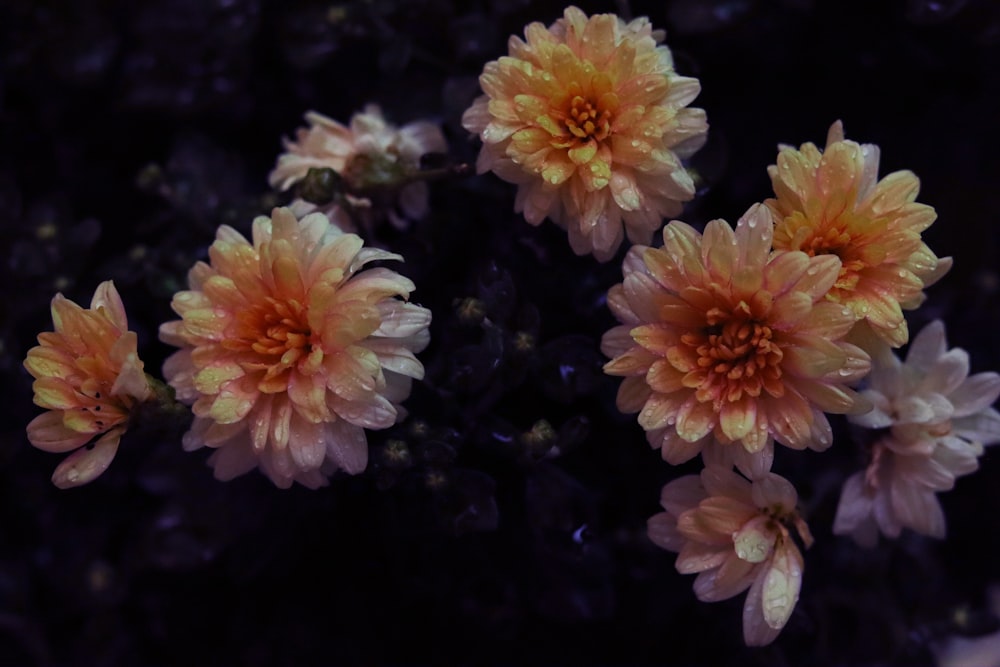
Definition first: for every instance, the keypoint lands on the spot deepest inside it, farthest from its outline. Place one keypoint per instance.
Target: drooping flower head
(590, 119)
(933, 420)
(721, 338)
(371, 154)
(735, 535)
(289, 350)
(89, 377)
(831, 203)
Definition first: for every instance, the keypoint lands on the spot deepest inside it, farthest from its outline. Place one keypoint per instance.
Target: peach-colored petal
(89, 376)
(86, 463)
(588, 118)
(294, 349)
(829, 204)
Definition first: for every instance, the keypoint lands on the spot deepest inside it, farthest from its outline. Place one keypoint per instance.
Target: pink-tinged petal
(820, 276)
(854, 507)
(682, 494)
(821, 434)
(696, 557)
(785, 270)
(662, 531)
(813, 357)
(975, 394)
(750, 464)
(754, 231)
(659, 410)
(917, 508)
(828, 320)
(756, 630)
(719, 481)
(719, 250)
(675, 449)
(791, 419)
(86, 463)
(632, 395)
(48, 433)
(947, 373)
(771, 490)
(232, 461)
(347, 446)
(715, 519)
(306, 443)
(982, 427)
(709, 588)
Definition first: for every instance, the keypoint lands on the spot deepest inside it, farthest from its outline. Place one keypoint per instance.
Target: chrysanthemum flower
(590, 119)
(832, 203)
(89, 377)
(937, 418)
(722, 338)
(735, 535)
(289, 350)
(370, 155)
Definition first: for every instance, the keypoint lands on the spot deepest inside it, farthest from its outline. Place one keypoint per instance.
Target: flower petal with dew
(735, 534)
(370, 154)
(723, 339)
(933, 420)
(831, 202)
(289, 350)
(89, 377)
(590, 120)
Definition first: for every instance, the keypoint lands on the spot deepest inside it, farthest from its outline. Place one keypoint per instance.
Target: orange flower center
(275, 332)
(836, 241)
(585, 120)
(736, 355)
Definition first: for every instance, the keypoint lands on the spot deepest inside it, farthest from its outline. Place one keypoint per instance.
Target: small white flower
(937, 418)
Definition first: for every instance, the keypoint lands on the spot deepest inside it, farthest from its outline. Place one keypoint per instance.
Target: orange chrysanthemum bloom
(289, 350)
(590, 119)
(832, 203)
(89, 377)
(723, 338)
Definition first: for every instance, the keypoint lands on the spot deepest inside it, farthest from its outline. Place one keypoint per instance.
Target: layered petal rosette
(735, 535)
(831, 202)
(289, 350)
(370, 154)
(590, 120)
(721, 338)
(89, 377)
(932, 421)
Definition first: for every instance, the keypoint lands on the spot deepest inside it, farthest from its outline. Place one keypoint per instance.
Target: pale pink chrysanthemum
(590, 120)
(723, 339)
(937, 419)
(371, 154)
(735, 535)
(88, 377)
(831, 202)
(289, 351)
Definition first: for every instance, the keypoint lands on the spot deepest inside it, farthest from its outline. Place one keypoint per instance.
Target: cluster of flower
(730, 339)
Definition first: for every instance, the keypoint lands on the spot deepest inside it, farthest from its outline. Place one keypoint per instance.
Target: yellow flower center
(735, 355)
(586, 120)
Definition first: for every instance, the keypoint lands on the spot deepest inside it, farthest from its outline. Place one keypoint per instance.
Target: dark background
(504, 522)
